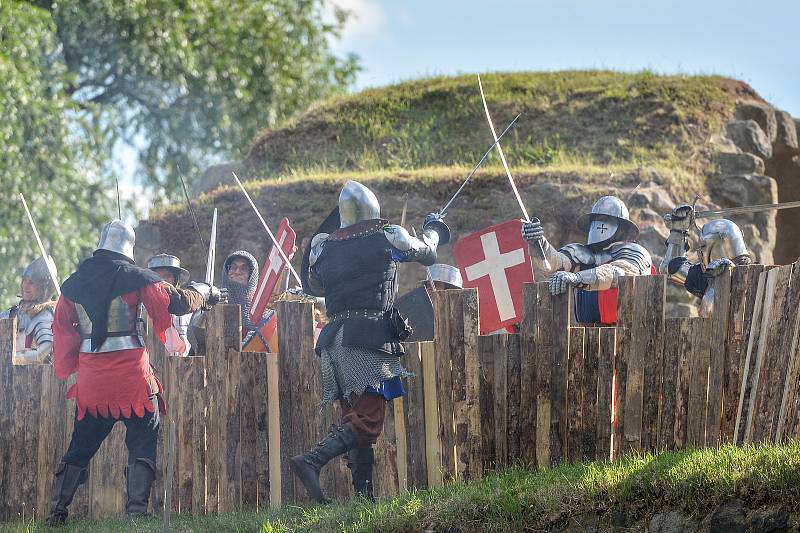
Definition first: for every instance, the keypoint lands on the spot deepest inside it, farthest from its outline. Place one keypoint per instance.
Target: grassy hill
(626, 495)
(582, 134)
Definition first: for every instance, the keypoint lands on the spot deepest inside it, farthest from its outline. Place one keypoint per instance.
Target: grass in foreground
(518, 499)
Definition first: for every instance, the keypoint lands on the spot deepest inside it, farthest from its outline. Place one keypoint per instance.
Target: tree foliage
(186, 82)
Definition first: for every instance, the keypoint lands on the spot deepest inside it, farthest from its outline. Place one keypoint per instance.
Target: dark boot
(308, 465)
(68, 479)
(140, 476)
(360, 462)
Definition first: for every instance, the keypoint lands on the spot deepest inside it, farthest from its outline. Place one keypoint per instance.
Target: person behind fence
(355, 268)
(721, 247)
(34, 313)
(168, 267)
(240, 277)
(96, 337)
(593, 268)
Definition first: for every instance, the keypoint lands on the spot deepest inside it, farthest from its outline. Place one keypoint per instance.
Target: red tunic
(112, 383)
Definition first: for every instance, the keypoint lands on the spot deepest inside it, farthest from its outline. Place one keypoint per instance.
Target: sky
(399, 40)
(753, 41)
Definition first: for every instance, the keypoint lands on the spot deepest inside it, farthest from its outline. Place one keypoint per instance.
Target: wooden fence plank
(433, 450)
(7, 347)
(772, 360)
(749, 366)
(574, 407)
(625, 309)
(605, 391)
(457, 351)
(254, 430)
(487, 355)
(744, 283)
(514, 405)
(719, 348)
(789, 402)
(472, 377)
(414, 407)
(588, 384)
(544, 361)
(275, 426)
(699, 359)
(675, 359)
(527, 389)
(444, 384)
(562, 311)
(499, 364)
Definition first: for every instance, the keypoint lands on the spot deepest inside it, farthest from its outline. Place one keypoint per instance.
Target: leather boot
(360, 462)
(140, 475)
(308, 465)
(68, 479)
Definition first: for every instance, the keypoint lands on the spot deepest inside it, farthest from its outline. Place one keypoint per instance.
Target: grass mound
(518, 499)
(605, 116)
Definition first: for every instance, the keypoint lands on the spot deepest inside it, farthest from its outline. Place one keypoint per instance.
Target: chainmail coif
(239, 293)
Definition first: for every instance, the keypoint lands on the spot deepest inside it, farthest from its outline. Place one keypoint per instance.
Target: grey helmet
(171, 262)
(39, 273)
(723, 238)
(357, 203)
(117, 236)
(608, 222)
(447, 274)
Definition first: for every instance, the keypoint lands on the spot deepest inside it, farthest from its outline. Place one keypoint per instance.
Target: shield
(496, 261)
(265, 337)
(417, 307)
(272, 270)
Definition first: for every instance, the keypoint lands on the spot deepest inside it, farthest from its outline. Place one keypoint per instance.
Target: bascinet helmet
(172, 263)
(608, 222)
(117, 236)
(357, 203)
(39, 273)
(723, 238)
(446, 274)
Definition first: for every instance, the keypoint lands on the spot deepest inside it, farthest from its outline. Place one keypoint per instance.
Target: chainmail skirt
(348, 370)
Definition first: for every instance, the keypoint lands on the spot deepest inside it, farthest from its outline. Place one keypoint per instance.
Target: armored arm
(533, 233)
(678, 222)
(195, 296)
(408, 249)
(41, 328)
(627, 259)
(317, 245)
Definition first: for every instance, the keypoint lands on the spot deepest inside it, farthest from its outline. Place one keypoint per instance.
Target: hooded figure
(240, 277)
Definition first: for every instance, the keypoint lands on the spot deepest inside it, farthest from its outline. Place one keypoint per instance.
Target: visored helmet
(608, 222)
(723, 238)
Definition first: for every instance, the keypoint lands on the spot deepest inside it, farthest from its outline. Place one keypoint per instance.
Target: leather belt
(357, 313)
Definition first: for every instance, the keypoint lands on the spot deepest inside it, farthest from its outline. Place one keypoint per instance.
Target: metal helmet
(608, 222)
(723, 238)
(117, 236)
(357, 203)
(447, 274)
(171, 262)
(39, 273)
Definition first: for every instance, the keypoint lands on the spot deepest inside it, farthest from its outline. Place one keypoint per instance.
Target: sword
(745, 209)
(269, 231)
(545, 262)
(476, 167)
(41, 247)
(212, 250)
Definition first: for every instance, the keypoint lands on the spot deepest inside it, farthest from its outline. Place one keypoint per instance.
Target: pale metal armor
(597, 265)
(449, 275)
(118, 236)
(123, 328)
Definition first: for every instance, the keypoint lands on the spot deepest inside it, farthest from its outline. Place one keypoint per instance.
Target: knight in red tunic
(96, 337)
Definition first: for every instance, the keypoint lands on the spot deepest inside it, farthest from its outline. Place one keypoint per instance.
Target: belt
(112, 344)
(357, 313)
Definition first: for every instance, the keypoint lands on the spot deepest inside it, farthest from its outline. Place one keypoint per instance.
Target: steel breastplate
(122, 332)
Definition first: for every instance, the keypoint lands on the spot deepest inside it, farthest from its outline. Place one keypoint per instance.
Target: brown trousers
(364, 414)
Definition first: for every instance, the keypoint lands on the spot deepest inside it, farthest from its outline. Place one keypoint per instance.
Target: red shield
(496, 262)
(272, 270)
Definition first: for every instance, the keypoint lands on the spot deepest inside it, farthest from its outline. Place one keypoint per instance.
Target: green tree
(184, 81)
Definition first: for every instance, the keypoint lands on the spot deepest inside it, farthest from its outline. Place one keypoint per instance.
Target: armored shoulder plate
(317, 243)
(400, 238)
(42, 319)
(633, 253)
(579, 254)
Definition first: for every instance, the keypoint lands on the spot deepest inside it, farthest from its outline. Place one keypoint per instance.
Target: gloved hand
(680, 219)
(217, 295)
(562, 280)
(717, 267)
(532, 231)
(435, 222)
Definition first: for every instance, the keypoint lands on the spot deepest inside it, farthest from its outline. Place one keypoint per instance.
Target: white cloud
(367, 17)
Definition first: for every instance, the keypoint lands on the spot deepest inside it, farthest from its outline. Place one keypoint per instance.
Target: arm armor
(41, 328)
(626, 259)
(188, 300)
(677, 246)
(558, 259)
(411, 249)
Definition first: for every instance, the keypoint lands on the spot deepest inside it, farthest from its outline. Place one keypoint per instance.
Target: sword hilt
(540, 248)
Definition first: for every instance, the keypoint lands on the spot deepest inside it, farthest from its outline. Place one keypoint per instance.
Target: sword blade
(212, 250)
(41, 246)
(746, 209)
(477, 166)
(269, 231)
